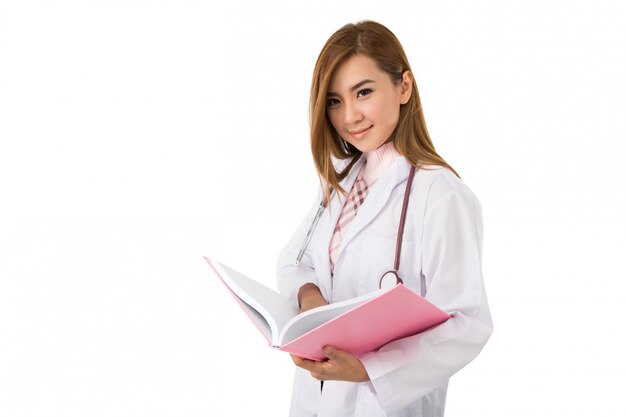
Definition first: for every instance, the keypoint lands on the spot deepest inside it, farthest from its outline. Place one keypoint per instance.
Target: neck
(378, 162)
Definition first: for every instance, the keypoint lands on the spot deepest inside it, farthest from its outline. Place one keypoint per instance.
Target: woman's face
(363, 104)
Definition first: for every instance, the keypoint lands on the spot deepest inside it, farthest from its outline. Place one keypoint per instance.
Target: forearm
(310, 296)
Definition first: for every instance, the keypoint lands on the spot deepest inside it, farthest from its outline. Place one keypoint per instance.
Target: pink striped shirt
(376, 164)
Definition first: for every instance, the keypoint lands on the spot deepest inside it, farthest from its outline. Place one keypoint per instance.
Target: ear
(406, 87)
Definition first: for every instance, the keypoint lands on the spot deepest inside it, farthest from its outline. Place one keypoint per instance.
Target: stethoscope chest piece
(389, 280)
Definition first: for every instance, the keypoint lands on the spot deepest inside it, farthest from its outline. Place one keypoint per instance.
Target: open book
(358, 325)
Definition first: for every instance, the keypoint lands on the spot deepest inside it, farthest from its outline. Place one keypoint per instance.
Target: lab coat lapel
(376, 200)
(329, 220)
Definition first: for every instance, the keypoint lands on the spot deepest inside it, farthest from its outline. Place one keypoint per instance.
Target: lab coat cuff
(382, 387)
(295, 283)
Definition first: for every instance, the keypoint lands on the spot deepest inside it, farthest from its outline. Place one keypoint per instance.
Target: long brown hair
(410, 136)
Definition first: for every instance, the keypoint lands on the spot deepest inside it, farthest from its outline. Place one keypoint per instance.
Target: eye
(332, 102)
(364, 92)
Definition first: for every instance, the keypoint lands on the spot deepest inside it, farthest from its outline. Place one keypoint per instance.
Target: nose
(352, 114)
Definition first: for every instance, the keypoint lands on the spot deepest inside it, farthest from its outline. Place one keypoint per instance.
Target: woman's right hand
(310, 296)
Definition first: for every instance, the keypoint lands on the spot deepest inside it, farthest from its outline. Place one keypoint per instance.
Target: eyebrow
(354, 87)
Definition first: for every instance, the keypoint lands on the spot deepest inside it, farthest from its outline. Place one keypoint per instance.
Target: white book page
(260, 321)
(313, 318)
(273, 306)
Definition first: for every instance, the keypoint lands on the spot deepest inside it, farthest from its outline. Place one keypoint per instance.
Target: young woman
(369, 140)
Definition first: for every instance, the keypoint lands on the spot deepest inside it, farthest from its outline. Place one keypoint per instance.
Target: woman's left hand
(340, 366)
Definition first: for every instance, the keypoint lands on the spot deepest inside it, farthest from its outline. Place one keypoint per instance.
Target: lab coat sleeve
(404, 370)
(290, 276)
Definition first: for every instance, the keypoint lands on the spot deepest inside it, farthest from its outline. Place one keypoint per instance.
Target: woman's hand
(339, 366)
(310, 296)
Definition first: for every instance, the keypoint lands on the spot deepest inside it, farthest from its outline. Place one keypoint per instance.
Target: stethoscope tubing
(309, 234)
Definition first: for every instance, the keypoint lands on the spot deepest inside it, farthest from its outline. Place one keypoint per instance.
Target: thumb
(330, 352)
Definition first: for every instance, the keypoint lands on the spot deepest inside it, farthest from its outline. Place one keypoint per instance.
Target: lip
(359, 133)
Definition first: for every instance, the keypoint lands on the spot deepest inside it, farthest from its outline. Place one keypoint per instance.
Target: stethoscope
(389, 278)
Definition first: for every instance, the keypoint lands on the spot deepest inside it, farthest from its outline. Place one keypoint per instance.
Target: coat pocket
(377, 256)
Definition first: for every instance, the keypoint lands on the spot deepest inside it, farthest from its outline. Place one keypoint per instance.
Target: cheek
(335, 120)
(389, 114)
(380, 110)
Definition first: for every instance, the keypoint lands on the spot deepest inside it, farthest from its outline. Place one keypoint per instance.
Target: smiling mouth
(360, 131)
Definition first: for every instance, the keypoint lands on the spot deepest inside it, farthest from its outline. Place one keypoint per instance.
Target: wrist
(310, 296)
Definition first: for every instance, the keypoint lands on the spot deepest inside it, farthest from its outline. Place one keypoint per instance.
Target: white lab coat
(441, 258)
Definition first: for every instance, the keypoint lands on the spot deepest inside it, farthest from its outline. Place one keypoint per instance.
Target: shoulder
(339, 163)
(440, 184)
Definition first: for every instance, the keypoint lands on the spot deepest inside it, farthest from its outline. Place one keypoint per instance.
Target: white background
(138, 136)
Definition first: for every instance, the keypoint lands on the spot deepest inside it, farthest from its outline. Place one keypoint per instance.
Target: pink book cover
(392, 314)
(395, 314)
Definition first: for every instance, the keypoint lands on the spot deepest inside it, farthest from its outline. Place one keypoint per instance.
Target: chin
(368, 147)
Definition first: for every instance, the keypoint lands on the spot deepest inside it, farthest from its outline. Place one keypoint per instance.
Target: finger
(319, 376)
(297, 360)
(330, 352)
(342, 365)
(301, 362)
(335, 355)
(306, 364)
